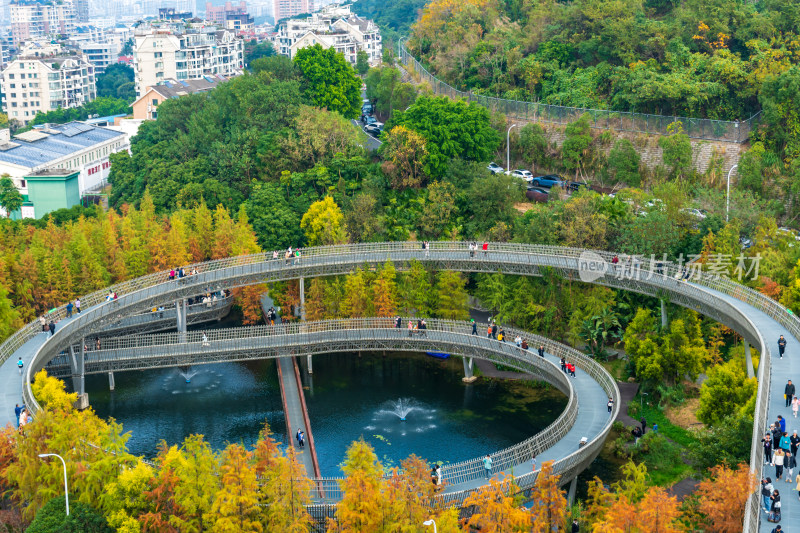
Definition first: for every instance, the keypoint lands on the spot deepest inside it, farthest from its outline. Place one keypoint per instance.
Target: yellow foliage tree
(236, 508)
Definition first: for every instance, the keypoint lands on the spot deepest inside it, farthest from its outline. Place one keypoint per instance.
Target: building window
(155, 101)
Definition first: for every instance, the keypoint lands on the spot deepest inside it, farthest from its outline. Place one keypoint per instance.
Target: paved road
(372, 143)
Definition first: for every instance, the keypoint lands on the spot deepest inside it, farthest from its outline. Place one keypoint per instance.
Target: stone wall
(704, 153)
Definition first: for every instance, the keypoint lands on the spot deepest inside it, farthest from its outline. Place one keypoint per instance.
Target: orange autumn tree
(408, 494)
(361, 507)
(658, 512)
(495, 510)
(724, 494)
(549, 510)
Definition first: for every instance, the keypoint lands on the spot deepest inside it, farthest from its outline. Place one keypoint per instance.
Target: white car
(494, 168)
(522, 174)
(697, 213)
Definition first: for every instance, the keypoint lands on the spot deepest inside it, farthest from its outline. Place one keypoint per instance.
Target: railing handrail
(731, 130)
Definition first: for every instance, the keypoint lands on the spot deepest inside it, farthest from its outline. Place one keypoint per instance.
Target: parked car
(494, 168)
(537, 194)
(368, 119)
(574, 186)
(548, 181)
(374, 129)
(367, 109)
(521, 174)
(697, 213)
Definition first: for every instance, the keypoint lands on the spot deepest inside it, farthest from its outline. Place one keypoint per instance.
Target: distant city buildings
(44, 78)
(230, 16)
(31, 19)
(161, 53)
(334, 26)
(283, 9)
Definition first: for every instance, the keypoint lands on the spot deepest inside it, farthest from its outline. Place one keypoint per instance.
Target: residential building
(169, 13)
(31, 19)
(146, 106)
(54, 154)
(162, 54)
(283, 9)
(37, 84)
(81, 11)
(100, 55)
(334, 26)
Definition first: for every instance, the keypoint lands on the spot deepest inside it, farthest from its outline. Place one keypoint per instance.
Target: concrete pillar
(111, 381)
(184, 319)
(178, 315)
(469, 375)
(303, 305)
(664, 317)
(573, 486)
(79, 375)
(82, 368)
(748, 360)
(310, 366)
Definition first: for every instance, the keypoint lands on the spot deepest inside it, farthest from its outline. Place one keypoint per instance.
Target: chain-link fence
(696, 128)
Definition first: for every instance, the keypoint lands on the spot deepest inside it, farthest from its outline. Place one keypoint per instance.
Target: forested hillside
(697, 58)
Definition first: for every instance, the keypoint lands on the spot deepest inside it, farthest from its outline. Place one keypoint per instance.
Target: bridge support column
(469, 375)
(748, 360)
(664, 317)
(573, 487)
(303, 310)
(310, 366)
(78, 374)
(110, 381)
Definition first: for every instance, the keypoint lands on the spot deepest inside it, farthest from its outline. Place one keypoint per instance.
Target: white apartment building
(30, 19)
(34, 85)
(334, 26)
(160, 54)
(100, 55)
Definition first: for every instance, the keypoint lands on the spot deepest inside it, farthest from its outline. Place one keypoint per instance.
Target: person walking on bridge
(301, 438)
(78, 305)
(781, 345)
(487, 466)
(69, 309)
(788, 393)
(475, 332)
(52, 327)
(20, 364)
(541, 350)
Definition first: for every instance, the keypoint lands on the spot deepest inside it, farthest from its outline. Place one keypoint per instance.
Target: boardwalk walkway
(294, 406)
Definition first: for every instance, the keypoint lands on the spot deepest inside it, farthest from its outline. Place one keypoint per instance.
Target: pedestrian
(782, 423)
(610, 404)
(297, 257)
(788, 392)
(777, 529)
(576, 527)
(472, 247)
(564, 364)
(205, 340)
(767, 443)
(275, 254)
(795, 405)
(437, 471)
(78, 305)
(97, 343)
(518, 341)
(69, 309)
(485, 249)
(494, 331)
(17, 411)
(572, 369)
(785, 443)
(766, 492)
(502, 335)
(776, 435)
(300, 438)
(790, 462)
(524, 345)
(397, 322)
(533, 464)
(52, 327)
(475, 328)
(43, 323)
(541, 350)
(424, 327)
(114, 296)
(20, 364)
(487, 466)
(781, 345)
(172, 274)
(489, 332)
(427, 247)
(797, 480)
(794, 440)
(777, 461)
(410, 329)
(775, 508)
(636, 432)
(644, 425)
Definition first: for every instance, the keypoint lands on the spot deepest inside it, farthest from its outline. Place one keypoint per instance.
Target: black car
(368, 119)
(574, 186)
(367, 109)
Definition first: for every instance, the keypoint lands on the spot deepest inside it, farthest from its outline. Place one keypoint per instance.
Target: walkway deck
(294, 407)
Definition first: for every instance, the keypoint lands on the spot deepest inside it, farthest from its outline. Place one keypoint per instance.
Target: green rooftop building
(53, 189)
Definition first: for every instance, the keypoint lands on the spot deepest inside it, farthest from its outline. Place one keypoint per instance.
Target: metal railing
(696, 128)
(648, 277)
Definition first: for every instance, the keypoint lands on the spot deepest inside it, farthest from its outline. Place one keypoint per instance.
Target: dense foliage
(104, 106)
(117, 82)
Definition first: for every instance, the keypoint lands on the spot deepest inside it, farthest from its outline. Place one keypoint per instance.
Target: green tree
(357, 301)
(117, 81)
(577, 143)
(278, 67)
(451, 296)
(780, 99)
(323, 223)
(384, 290)
(52, 518)
(438, 209)
(623, 163)
(329, 80)
(416, 290)
(676, 150)
(405, 155)
(254, 50)
(10, 197)
(726, 391)
(452, 129)
(275, 222)
(362, 62)
(533, 145)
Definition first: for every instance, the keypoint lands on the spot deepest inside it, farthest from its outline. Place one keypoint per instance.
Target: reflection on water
(399, 403)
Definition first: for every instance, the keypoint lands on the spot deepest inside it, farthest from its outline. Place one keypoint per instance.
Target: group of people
(301, 438)
(47, 326)
(421, 326)
(473, 247)
(272, 316)
(180, 272)
(288, 255)
(780, 451)
(567, 367)
(23, 416)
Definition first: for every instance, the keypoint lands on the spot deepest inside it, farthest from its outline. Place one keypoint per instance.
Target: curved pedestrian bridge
(755, 317)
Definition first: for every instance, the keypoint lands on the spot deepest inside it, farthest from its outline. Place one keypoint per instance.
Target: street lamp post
(728, 195)
(430, 523)
(508, 151)
(66, 490)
